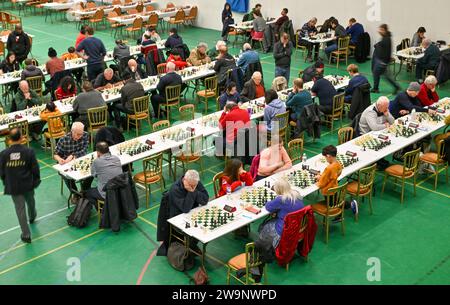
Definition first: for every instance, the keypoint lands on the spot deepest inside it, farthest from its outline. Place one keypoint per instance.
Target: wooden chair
(116, 2)
(406, 171)
(344, 135)
(161, 68)
(177, 19)
(342, 51)
(90, 5)
(191, 152)
(100, 207)
(173, 96)
(136, 26)
(132, 11)
(153, 173)
(23, 125)
(331, 207)
(160, 125)
(298, 46)
(141, 113)
(140, 7)
(114, 24)
(187, 112)
(363, 187)
(97, 118)
(217, 183)
(283, 126)
(248, 260)
(57, 128)
(232, 31)
(336, 113)
(192, 16)
(153, 20)
(149, 8)
(211, 91)
(170, 5)
(97, 18)
(35, 84)
(436, 159)
(295, 150)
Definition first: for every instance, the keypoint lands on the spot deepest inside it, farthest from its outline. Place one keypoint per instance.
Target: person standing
(19, 43)
(381, 58)
(227, 19)
(282, 52)
(19, 163)
(81, 35)
(94, 54)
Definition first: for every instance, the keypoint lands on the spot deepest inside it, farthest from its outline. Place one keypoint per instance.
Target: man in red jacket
(232, 119)
(177, 60)
(427, 94)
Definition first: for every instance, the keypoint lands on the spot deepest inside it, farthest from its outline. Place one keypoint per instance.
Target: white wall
(403, 16)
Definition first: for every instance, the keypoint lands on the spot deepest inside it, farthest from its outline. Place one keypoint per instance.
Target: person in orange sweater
(70, 55)
(273, 159)
(235, 177)
(50, 111)
(329, 178)
(177, 60)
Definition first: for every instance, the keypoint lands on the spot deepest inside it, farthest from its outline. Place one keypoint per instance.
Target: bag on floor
(200, 277)
(179, 258)
(80, 216)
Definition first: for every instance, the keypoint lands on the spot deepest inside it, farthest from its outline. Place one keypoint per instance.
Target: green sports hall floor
(411, 241)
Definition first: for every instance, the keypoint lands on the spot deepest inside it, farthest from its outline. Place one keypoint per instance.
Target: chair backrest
(140, 7)
(23, 125)
(441, 150)
(366, 178)
(211, 85)
(295, 149)
(153, 20)
(137, 23)
(118, 11)
(411, 161)
(112, 14)
(99, 14)
(91, 5)
(58, 125)
(338, 104)
(179, 16)
(132, 11)
(140, 105)
(217, 183)
(343, 43)
(128, 1)
(2, 48)
(187, 112)
(252, 257)
(335, 199)
(193, 146)
(116, 2)
(173, 94)
(193, 12)
(149, 8)
(170, 5)
(35, 84)
(405, 44)
(153, 166)
(160, 125)
(5, 32)
(161, 68)
(97, 117)
(344, 135)
(283, 122)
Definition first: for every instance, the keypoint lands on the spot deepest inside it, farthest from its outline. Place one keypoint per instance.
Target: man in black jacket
(224, 62)
(282, 52)
(430, 59)
(19, 43)
(254, 88)
(19, 171)
(170, 79)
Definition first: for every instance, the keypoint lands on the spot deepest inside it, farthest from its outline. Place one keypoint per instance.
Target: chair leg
(403, 191)
(436, 177)
(342, 223)
(384, 184)
(228, 275)
(370, 204)
(147, 195)
(327, 225)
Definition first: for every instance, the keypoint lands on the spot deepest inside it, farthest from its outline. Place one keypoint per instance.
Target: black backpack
(80, 216)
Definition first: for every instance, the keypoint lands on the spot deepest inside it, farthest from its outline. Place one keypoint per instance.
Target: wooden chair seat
(206, 93)
(23, 141)
(55, 136)
(397, 171)
(238, 262)
(184, 158)
(293, 124)
(321, 209)
(138, 116)
(150, 178)
(431, 158)
(352, 189)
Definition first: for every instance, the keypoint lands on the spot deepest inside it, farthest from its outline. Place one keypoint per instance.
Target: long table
(243, 217)
(248, 25)
(129, 19)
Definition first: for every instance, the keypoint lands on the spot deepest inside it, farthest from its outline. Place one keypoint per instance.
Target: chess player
(376, 117)
(406, 101)
(106, 80)
(427, 94)
(329, 178)
(286, 202)
(198, 55)
(234, 177)
(430, 59)
(131, 90)
(273, 159)
(254, 88)
(88, 99)
(169, 79)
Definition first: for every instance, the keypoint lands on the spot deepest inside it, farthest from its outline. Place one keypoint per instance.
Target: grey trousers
(19, 202)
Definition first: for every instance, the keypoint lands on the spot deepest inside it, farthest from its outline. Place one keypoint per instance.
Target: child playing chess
(329, 178)
(273, 159)
(235, 177)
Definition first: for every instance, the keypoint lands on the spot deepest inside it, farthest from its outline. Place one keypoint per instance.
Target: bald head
(382, 104)
(426, 43)
(109, 73)
(132, 63)
(23, 85)
(170, 67)
(257, 77)
(18, 28)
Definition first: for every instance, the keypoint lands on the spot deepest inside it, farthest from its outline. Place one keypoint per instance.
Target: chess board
(369, 142)
(444, 104)
(210, 121)
(301, 178)
(258, 196)
(336, 79)
(346, 160)
(176, 134)
(253, 107)
(34, 111)
(83, 165)
(5, 119)
(210, 218)
(400, 130)
(132, 148)
(67, 101)
(422, 117)
(149, 82)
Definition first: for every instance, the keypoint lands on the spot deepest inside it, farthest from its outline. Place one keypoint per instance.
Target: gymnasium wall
(403, 16)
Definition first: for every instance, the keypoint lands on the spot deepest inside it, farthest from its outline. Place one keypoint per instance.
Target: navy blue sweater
(325, 91)
(404, 102)
(94, 48)
(355, 82)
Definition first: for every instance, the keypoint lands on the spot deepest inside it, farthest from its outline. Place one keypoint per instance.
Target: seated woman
(10, 64)
(49, 111)
(67, 88)
(286, 202)
(273, 159)
(274, 106)
(235, 177)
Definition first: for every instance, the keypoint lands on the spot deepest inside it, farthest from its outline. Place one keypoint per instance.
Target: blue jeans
(330, 49)
(286, 72)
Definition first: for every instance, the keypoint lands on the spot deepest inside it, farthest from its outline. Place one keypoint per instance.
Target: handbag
(179, 258)
(200, 277)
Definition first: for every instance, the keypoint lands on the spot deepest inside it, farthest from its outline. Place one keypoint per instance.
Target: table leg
(399, 69)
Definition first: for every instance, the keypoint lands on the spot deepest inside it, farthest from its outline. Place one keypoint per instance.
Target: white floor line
(37, 219)
(9, 250)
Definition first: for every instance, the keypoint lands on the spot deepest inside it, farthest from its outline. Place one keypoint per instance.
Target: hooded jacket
(272, 109)
(19, 44)
(31, 71)
(121, 51)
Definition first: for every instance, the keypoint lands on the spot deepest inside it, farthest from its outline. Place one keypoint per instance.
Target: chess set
(322, 36)
(76, 61)
(348, 159)
(5, 119)
(111, 91)
(210, 121)
(149, 81)
(210, 218)
(372, 143)
(258, 196)
(67, 101)
(303, 178)
(177, 134)
(423, 117)
(34, 111)
(253, 107)
(401, 130)
(15, 74)
(414, 51)
(336, 79)
(444, 104)
(83, 165)
(133, 148)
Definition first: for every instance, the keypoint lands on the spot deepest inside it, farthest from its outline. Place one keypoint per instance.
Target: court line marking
(145, 267)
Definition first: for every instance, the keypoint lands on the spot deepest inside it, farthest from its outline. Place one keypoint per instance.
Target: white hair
(247, 46)
(431, 80)
(220, 43)
(202, 45)
(284, 189)
(192, 175)
(77, 126)
(382, 100)
(426, 42)
(256, 73)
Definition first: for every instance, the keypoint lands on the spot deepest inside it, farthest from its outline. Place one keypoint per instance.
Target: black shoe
(26, 240)
(375, 91)
(31, 221)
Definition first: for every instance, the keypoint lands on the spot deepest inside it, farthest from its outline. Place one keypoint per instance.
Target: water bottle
(413, 115)
(228, 192)
(304, 158)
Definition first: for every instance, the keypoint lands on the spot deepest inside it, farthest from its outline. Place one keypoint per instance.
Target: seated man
(175, 58)
(281, 20)
(308, 30)
(325, 91)
(25, 97)
(273, 159)
(254, 88)
(354, 29)
(198, 55)
(214, 52)
(135, 70)
(356, 80)
(313, 72)
(329, 178)
(121, 50)
(131, 90)
(430, 59)
(427, 94)
(298, 99)
(89, 98)
(31, 70)
(106, 79)
(418, 37)
(232, 119)
(230, 95)
(247, 57)
(407, 101)
(339, 32)
(70, 147)
(104, 168)
(169, 79)
(174, 40)
(376, 117)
